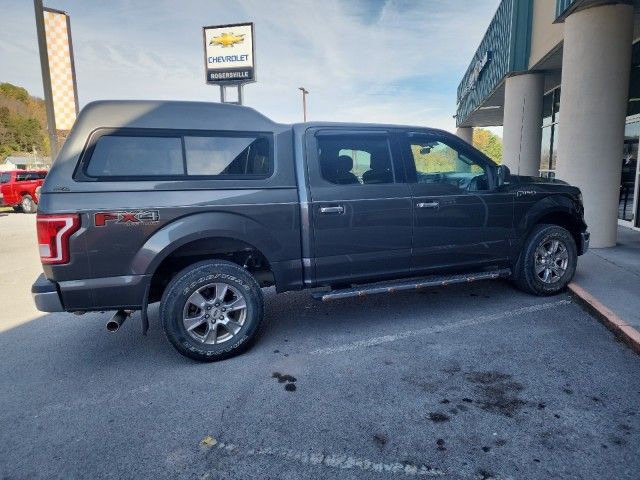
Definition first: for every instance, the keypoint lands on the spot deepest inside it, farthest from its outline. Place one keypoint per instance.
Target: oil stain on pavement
(497, 392)
(288, 380)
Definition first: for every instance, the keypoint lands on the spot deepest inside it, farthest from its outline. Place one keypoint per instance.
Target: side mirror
(502, 175)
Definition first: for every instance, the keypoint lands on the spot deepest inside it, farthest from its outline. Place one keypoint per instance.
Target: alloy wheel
(214, 313)
(551, 260)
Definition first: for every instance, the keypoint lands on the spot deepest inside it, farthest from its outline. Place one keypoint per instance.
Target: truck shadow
(372, 315)
(294, 323)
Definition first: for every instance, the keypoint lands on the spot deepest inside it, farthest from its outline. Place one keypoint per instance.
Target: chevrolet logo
(227, 39)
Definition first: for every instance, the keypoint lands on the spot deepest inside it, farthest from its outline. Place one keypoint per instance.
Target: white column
(466, 134)
(522, 131)
(593, 105)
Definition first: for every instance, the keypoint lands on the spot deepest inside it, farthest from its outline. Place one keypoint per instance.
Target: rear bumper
(46, 296)
(109, 293)
(584, 242)
(105, 293)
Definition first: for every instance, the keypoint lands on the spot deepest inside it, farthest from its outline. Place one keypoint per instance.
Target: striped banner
(61, 68)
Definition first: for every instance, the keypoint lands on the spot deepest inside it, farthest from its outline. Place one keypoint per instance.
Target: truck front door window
(447, 169)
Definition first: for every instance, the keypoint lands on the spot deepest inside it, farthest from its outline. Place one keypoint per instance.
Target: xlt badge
(522, 193)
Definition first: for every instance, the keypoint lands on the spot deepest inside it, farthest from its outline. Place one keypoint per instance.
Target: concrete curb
(610, 319)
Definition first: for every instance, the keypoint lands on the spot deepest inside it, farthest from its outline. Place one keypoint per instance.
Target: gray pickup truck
(200, 205)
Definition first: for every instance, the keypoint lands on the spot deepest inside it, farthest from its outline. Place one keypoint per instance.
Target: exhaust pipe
(116, 321)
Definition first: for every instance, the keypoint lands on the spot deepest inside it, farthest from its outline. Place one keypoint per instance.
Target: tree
(11, 91)
(22, 122)
(488, 143)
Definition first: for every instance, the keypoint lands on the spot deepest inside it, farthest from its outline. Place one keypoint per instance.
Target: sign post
(46, 78)
(229, 57)
(61, 67)
(58, 71)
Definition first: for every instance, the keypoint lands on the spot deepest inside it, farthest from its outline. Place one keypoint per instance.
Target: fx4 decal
(134, 217)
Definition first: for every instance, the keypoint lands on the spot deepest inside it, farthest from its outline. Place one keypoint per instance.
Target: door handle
(428, 205)
(336, 209)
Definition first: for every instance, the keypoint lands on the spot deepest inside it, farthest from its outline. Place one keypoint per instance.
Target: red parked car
(18, 188)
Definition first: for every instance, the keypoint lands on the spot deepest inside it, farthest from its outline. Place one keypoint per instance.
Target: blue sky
(395, 61)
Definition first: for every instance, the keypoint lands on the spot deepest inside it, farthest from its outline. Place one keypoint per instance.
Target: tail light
(53, 236)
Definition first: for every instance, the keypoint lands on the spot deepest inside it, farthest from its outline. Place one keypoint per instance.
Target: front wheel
(212, 310)
(547, 262)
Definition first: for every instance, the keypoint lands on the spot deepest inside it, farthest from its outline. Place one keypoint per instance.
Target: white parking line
(437, 328)
(343, 462)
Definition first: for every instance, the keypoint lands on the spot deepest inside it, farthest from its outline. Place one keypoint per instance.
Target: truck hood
(539, 184)
(523, 180)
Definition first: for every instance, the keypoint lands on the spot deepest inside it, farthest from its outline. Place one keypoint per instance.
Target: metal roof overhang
(490, 113)
(503, 51)
(489, 110)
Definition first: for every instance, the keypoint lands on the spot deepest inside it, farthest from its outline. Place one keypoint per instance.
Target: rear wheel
(27, 204)
(547, 262)
(212, 310)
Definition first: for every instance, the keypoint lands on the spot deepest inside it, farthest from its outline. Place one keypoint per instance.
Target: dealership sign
(229, 54)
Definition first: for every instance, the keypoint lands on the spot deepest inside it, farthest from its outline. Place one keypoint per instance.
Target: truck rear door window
(220, 155)
(136, 156)
(355, 160)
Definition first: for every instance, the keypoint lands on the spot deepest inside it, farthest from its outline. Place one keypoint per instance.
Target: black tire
(526, 276)
(27, 205)
(200, 276)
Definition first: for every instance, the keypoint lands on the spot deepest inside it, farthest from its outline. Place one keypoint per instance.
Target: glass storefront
(628, 206)
(550, 119)
(629, 175)
(545, 156)
(634, 82)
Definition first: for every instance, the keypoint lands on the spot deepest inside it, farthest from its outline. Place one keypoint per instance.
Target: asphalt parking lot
(476, 381)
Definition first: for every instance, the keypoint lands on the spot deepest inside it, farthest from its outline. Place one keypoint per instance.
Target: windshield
(5, 177)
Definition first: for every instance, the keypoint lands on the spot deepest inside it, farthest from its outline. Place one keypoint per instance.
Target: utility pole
(46, 78)
(304, 102)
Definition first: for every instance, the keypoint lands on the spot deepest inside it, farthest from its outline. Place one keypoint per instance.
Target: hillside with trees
(488, 143)
(22, 123)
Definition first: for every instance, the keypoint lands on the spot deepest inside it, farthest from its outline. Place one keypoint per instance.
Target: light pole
(304, 102)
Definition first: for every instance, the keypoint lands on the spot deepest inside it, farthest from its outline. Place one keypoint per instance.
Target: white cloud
(394, 61)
